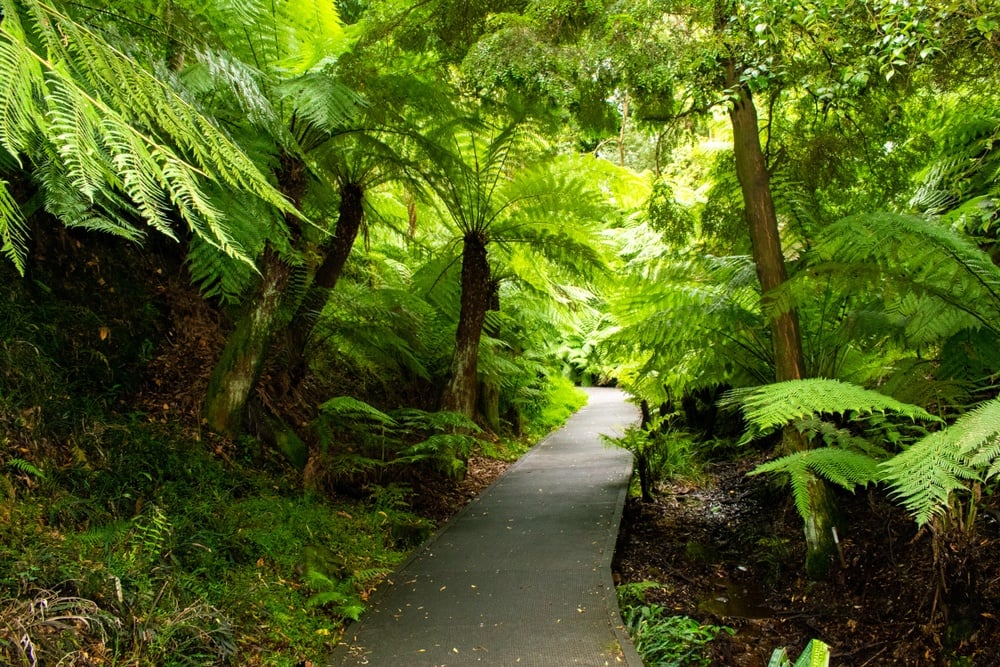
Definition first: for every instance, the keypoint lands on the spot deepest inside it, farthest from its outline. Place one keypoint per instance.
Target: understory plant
(660, 451)
(361, 440)
(666, 640)
(816, 654)
(938, 471)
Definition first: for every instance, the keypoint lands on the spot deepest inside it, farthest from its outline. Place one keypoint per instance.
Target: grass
(173, 553)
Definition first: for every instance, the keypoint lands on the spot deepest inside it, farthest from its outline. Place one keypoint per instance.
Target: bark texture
(786, 338)
(237, 371)
(460, 392)
(349, 219)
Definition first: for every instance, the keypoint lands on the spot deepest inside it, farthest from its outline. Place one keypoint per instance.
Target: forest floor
(729, 551)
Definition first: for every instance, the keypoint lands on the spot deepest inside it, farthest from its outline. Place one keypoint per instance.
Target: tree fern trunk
(349, 219)
(786, 338)
(237, 371)
(460, 392)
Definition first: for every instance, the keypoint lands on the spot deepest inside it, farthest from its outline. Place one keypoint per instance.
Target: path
(522, 576)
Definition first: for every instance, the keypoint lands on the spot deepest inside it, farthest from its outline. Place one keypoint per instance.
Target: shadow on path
(522, 576)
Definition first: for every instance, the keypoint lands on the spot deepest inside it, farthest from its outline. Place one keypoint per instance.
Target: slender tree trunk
(349, 219)
(460, 392)
(786, 339)
(237, 371)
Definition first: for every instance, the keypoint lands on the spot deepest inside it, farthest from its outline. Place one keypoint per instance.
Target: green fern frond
(115, 126)
(773, 406)
(924, 476)
(916, 255)
(25, 467)
(13, 229)
(348, 407)
(847, 469)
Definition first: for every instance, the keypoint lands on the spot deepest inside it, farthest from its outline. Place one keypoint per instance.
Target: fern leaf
(773, 406)
(13, 229)
(924, 476)
(842, 467)
(116, 127)
(347, 406)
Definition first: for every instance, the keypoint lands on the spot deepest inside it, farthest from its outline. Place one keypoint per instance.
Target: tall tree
(494, 200)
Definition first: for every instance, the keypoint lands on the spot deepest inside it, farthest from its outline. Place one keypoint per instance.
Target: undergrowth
(129, 539)
(167, 556)
(661, 638)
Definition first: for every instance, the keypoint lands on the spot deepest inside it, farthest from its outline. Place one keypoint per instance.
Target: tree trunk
(349, 219)
(786, 339)
(237, 371)
(460, 392)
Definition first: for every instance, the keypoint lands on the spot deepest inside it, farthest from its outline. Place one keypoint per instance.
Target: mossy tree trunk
(489, 387)
(786, 338)
(238, 369)
(236, 373)
(460, 392)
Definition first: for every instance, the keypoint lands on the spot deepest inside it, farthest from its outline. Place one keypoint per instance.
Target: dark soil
(730, 552)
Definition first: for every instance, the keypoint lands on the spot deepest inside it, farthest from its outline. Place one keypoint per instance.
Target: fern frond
(352, 408)
(115, 126)
(775, 405)
(924, 476)
(917, 256)
(845, 468)
(26, 467)
(13, 229)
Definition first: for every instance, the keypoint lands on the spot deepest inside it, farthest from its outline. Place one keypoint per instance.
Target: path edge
(343, 647)
(628, 652)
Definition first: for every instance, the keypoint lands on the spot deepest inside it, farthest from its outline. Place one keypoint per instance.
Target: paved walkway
(523, 575)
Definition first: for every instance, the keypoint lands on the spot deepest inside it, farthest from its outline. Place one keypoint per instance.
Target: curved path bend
(522, 576)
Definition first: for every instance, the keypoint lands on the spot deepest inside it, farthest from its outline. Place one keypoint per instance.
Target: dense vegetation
(276, 272)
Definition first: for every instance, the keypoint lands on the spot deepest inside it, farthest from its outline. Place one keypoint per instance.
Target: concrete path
(522, 576)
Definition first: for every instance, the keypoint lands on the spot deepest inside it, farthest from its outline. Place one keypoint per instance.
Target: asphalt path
(522, 576)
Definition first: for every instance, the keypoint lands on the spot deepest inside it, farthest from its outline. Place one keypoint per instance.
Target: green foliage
(661, 451)
(925, 476)
(102, 129)
(364, 440)
(26, 467)
(773, 406)
(547, 407)
(666, 309)
(937, 279)
(843, 467)
(664, 640)
(815, 654)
